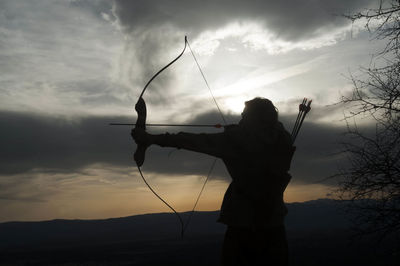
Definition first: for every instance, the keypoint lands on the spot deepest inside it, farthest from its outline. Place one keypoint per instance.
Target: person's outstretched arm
(212, 144)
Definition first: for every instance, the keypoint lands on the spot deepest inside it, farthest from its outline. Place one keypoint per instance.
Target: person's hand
(140, 136)
(140, 107)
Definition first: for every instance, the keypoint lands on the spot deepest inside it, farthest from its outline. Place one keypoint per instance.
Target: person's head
(259, 111)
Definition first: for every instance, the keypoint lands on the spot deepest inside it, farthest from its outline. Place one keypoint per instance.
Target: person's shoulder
(279, 127)
(283, 132)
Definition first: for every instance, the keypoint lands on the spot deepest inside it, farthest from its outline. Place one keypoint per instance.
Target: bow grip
(140, 152)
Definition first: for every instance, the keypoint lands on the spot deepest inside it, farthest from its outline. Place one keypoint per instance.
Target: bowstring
(198, 197)
(215, 158)
(205, 80)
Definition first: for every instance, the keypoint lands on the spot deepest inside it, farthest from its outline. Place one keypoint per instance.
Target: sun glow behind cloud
(236, 45)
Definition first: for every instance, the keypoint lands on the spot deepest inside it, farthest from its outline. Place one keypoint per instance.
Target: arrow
(304, 108)
(168, 125)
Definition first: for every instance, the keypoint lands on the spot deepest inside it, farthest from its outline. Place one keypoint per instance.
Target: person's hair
(263, 110)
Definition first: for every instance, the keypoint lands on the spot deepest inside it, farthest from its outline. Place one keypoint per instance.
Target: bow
(140, 152)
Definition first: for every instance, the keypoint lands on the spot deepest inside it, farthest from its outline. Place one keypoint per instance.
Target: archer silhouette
(257, 153)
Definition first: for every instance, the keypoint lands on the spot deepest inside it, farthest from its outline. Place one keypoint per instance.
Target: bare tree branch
(371, 182)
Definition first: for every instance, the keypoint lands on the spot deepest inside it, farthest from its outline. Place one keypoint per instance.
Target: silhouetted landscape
(318, 233)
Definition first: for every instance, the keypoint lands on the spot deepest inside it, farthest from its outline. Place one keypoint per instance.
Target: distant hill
(306, 216)
(317, 215)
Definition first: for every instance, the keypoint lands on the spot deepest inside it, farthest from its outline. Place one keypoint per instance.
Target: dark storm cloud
(30, 142)
(288, 19)
(59, 145)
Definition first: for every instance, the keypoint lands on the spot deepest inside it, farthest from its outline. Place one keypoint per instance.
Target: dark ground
(305, 250)
(317, 234)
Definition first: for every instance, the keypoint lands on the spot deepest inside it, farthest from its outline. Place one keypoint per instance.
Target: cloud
(47, 144)
(154, 31)
(56, 54)
(33, 141)
(87, 57)
(290, 20)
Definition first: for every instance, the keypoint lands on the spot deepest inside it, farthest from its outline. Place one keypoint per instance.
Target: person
(257, 153)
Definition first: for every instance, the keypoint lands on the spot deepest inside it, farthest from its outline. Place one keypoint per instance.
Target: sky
(68, 68)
